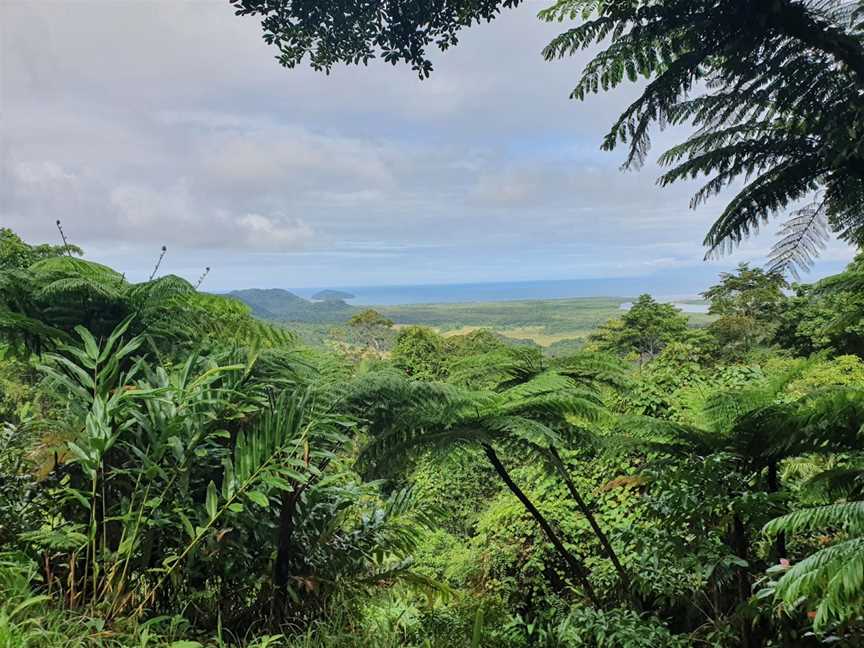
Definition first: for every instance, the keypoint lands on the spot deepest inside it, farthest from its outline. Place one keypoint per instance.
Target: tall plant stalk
(576, 567)
(608, 550)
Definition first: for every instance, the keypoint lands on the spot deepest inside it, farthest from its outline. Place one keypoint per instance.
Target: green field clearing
(542, 321)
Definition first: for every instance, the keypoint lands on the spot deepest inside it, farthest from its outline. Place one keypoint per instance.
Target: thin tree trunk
(779, 552)
(576, 567)
(287, 524)
(589, 515)
(773, 487)
(281, 570)
(739, 536)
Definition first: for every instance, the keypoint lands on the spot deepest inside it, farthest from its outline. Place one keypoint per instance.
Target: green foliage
(748, 303)
(839, 371)
(826, 316)
(615, 628)
(831, 579)
(644, 329)
(564, 348)
(182, 457)
(15, 254)
(370, 318)
(42, 304)
(747, 292)
(667, 384)
(370, 331)
(346, 32)
(174, 475)
(419, 352)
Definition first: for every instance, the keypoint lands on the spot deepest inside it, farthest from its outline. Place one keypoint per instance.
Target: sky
(142, 123)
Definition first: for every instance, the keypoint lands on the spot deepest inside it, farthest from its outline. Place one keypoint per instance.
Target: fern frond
(831, 579)
(848, 516)
(837, 483)
(802, 237)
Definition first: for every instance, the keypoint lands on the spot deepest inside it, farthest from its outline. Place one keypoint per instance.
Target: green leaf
(259, 498)
(112, 339)
(89, 342)
(477, 633)
(187, 525)
(176, 446)
(83, 377)
(212, 501)
(228, 481)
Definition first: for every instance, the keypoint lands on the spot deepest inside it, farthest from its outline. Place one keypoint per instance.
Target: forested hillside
(284, 306)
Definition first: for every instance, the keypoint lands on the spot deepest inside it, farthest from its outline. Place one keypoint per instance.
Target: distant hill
(280, 305)
(331, 295)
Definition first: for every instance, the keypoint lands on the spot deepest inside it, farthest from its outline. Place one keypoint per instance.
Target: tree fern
(781, 99)
(52, 296)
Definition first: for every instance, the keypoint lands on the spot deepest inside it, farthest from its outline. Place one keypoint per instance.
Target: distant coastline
(625, 289)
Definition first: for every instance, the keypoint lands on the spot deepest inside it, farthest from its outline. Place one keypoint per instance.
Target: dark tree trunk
(578, 570)
(779, 552)
(774, 487)
(282, 568)
(287, 512)
(589, 515)
(739, 539)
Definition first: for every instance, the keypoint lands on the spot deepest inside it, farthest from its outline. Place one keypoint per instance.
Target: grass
(536, 334)
(545, 322)
(555, 316)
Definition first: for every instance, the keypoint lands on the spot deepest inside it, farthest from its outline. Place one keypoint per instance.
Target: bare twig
(202, 277)
(158, 263)
(66, 246)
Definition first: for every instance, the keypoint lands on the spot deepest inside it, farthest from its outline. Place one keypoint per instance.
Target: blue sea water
(624, 288)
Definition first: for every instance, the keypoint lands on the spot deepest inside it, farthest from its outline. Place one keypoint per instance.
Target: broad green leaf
(212, 501)
(259, 498)
(228, 479)
(89, 341)
(112, 339)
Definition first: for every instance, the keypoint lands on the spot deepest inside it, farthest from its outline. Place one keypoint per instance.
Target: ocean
(624, 288)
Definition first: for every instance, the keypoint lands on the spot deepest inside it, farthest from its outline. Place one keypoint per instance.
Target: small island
(331, 295)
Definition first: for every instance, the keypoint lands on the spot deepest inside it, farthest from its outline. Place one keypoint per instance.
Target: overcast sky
(150, 122)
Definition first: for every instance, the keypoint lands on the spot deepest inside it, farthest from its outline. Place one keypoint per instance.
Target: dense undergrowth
(177, 473)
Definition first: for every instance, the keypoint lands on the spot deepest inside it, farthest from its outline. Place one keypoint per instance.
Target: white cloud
(262, 232)
(270, 156)
(42, 175)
